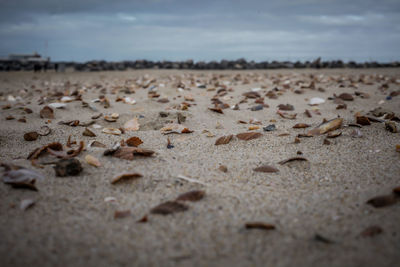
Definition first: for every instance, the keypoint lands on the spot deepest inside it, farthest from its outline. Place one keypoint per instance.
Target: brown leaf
(248, 135)
(223, 168)
(292, 159)
(346, 97)
(286, 107)
(88, 132)
(132, 125)
(363, 120)
(223, 140)
(286, 115)
(307, 113)
(42, 150)
(301, 125)
(125, 176)
(134, 141)
(128, 153)
(175, 128)
(119, 214)
(217, 110)
(47, 113)
(259, 225)
(326, 127)
(194, 195)
(97, 144)
(169, 207)
(72, 123)
(31, 136)
(371, 231)
(266, 168)
(327, 142)
(67, 154)
(382, 201)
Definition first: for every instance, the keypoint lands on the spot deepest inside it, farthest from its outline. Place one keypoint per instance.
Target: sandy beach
(317, 206)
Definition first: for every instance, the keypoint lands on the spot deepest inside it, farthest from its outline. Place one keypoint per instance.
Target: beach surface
(317, 206)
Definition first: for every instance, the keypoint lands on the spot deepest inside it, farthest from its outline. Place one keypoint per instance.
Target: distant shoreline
(240, 64)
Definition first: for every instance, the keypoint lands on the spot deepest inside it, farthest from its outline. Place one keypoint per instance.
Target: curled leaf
(326, 127)
(125, 176)
(134, 141)
(223, 140)
(194, 195)
(292, 159)
(248, 136)
(169, 207)
(175, 128)
(301, 125)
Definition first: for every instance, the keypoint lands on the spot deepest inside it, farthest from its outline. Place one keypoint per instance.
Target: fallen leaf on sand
(346, 97)
(223, 168)
(363, 120)
(21, 178)
(307, 113)
(67, 154)
(31, 136)
(266, 168)
(286, 115)
(42, 150)
(119, 214)
(382, 201)
(47, 113)
(371, 231)
(217, 110)
(175, 128)
(134, 141)
(169, 207)
(92, 161)
(26, 204)
(194, 195)
(113, 131)
(326, 127)
(72, 123)
(301, 125)
(88, 132)
(334, 134)
(68, 167)
(254, 127)
(223, 140)
(292, 159)
(286, 107)
(326, 142)
(248, 135)
(97, 144)
(125, 176)
(128, 153)
(132, 125)
(259, 225)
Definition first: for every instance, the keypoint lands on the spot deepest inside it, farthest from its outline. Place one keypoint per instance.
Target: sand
(71, 224)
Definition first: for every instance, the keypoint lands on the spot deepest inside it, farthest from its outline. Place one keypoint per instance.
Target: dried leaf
(119, 214)
(67, 154)
(175, 128)
(301, 125)
(125, 176)
(307, 113)
(68, 167)
(286, 115)
(266, 168)
(326, 127)
(42, 150)
(254, 127)
(88, 132)
(92, 161)
(346, 97)
(113, 131)
(248, 136)
(194, 195)
(292, 159)
(132, 125)
(223, 168)
(169, 207)
(128, 153)
(134, 141)
(259, 225)
(31, 136)
(47, 113)
(371, 231)
(382, 201)
(286, 107)
(72, 123)
(26, 204)
(97, 144)
(223, 140)
(327, 142)
(21, 177)
(217, 110)
(334, 134)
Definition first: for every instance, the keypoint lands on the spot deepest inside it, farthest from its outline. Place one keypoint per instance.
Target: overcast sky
(82, 30)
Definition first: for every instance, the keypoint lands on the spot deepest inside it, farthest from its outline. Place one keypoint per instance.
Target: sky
(260, 30)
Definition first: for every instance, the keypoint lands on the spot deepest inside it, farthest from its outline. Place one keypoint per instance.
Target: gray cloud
(206, 30)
